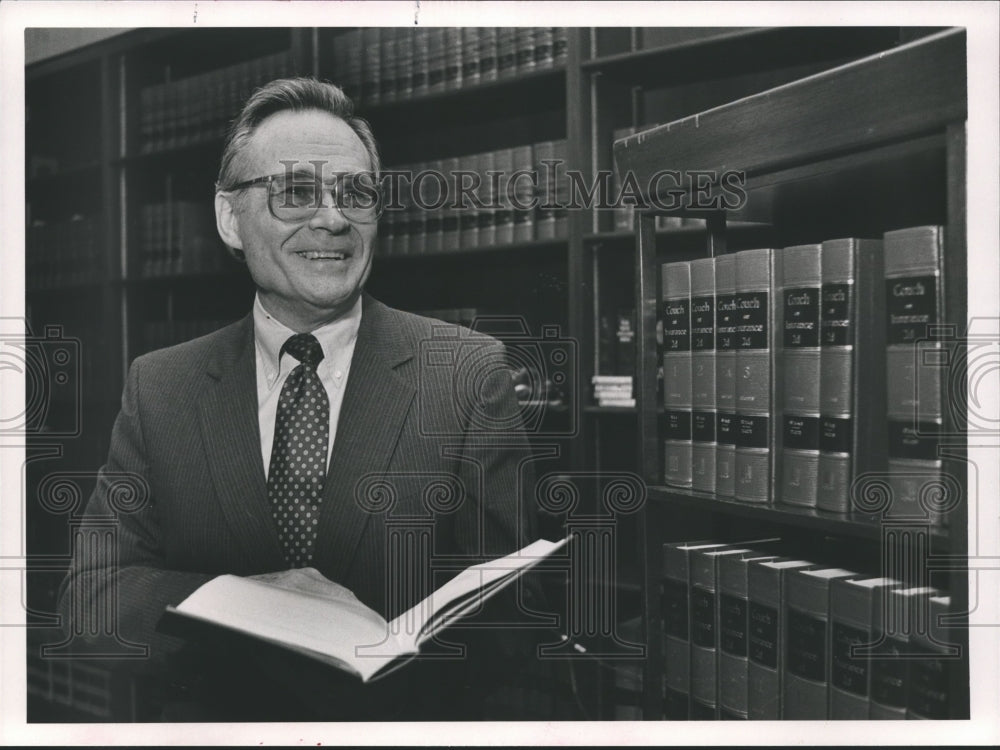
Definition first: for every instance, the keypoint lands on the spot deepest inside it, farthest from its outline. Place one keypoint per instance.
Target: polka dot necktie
(298, 455)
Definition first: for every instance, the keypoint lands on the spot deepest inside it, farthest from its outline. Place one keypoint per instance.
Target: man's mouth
(323, 254)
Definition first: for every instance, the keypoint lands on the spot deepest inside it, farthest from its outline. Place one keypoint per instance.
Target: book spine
(433, 192)
(471, 54)
(450, 234)
(504, 215)
(545, 219)
(371, 71)
(404, 64)
(478, 222)
(675, 605)
(437, 60)
(388, 85)
(852, 373)
(758, 281)
(928, 696)
(520, 193)
(488, 53)
(524, 45)
(453, 58)
(914, 304)
(419, 76)
(851, 615)
(733, 631)
(703, 386)
(676, 316)
(808, 646)
(543, 47)
(765, 644)
(506, 52)
(725, 374)
(418, 216)
(561, 189)
(560, 44)
(800, 363)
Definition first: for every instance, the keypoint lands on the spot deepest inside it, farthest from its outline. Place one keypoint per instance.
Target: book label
(763, 639)
(733, 625)
(702, 324)
(848, 674)
(703, 426)
(676, 326)
(751, 431)
(725, 322)
(806, 655)
(702, 617)
(919, 441)
(928, 695)
(912, 307)
(801, 321)
(751, 321)
(726, 432)
(835, 434)
(889, 673)
(677, 425)
(675, 609)
(836, 320)
(801, 433)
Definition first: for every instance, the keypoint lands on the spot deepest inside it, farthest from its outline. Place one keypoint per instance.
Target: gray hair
(297, 95)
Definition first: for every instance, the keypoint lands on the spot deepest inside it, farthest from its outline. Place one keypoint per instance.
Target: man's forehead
(311, 140)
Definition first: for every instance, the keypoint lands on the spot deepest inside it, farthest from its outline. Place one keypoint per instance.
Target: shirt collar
(270, 335)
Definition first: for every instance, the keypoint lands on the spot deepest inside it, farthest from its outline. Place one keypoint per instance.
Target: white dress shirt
(337, 340)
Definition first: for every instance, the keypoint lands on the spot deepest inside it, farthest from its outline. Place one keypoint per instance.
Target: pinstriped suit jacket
(188, 427)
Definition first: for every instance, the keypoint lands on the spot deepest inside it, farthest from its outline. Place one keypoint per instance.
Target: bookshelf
(136, 164)
(817, 154)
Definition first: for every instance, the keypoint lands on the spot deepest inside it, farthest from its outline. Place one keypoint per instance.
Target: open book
(343, 631)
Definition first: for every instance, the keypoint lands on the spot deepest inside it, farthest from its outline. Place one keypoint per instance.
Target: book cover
(800, 363)
(758, 378)
(853, 435)
(734, 630)
(676, 316)
(857, 616)
(766, 581)
(703, 415)
(806, 691)
(914, 291)
(725, 374)
(342, 631)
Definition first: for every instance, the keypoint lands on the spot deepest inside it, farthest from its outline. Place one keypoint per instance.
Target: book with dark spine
(891, 664)
(766, 581)
(487, 53)
(734, 629)
(857, 617)
(725, 374)
(436, 60)
(800, 363)
(853, 436)
(703, 415)
(806, 692)
(758, 378)
(453, 58)
(930, 670)
(917, 384)
(470, 55)
(676, 317)
(506, 52)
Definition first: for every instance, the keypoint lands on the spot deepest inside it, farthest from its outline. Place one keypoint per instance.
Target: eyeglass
(296, 198)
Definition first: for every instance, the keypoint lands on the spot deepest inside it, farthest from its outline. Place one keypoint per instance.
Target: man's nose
(328, 216)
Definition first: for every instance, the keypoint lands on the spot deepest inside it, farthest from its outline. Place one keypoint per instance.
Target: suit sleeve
(117, 586)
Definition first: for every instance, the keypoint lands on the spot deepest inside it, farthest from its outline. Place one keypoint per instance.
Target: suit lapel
(231, 431)
(375, 405)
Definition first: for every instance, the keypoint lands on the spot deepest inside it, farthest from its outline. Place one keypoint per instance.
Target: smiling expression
(311, 272)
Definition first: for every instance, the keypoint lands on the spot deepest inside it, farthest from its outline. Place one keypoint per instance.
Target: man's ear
(227, 222)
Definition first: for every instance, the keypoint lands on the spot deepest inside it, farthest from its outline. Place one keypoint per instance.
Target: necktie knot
(305, 348)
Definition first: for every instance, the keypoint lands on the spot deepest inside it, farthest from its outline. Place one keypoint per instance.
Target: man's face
(309, 272)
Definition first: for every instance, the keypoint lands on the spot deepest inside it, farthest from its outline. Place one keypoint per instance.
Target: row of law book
(749, 633)
(63, 253)
(198, 108)
(624, 214)
(157, 334)
(379, 65)
(791, 373)
(455, 204)
(178, 237)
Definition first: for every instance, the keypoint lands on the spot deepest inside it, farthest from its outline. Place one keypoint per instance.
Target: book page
(331, 627)
(477, 583)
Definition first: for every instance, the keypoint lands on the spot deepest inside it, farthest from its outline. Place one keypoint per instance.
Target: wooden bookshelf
(821, 139)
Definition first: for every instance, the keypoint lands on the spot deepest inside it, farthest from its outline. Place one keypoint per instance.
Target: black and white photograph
(418, 373)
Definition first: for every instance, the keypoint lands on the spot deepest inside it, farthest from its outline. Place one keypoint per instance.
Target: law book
(704, 613)
(543, 47)
(388, 83)
(420, 75)
(417, 223)
(853, 436)
(917, 383)
(478, 219)
(504, 213)
(450, 233)
(725, 374)
(437, 60)
(800, 363)
(675, 611)
(766, 581)
(432, 192)
(806, 691)
(758, 377)
(524, 49)
(675, 312)
(928, 696)
(470, 55)
(703, 414)
(371, 72)
(520, 193)
(545, 217)
(560, 44)
(857, 615)
(506, 52)
(404, 64)
(342, 631)
(453, 58)
(487, 53)
(734, 629)
(561, 188)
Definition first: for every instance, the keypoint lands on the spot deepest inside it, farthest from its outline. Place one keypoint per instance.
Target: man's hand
(306, 580)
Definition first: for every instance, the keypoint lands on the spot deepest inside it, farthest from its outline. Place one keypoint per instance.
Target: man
(255, 446)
